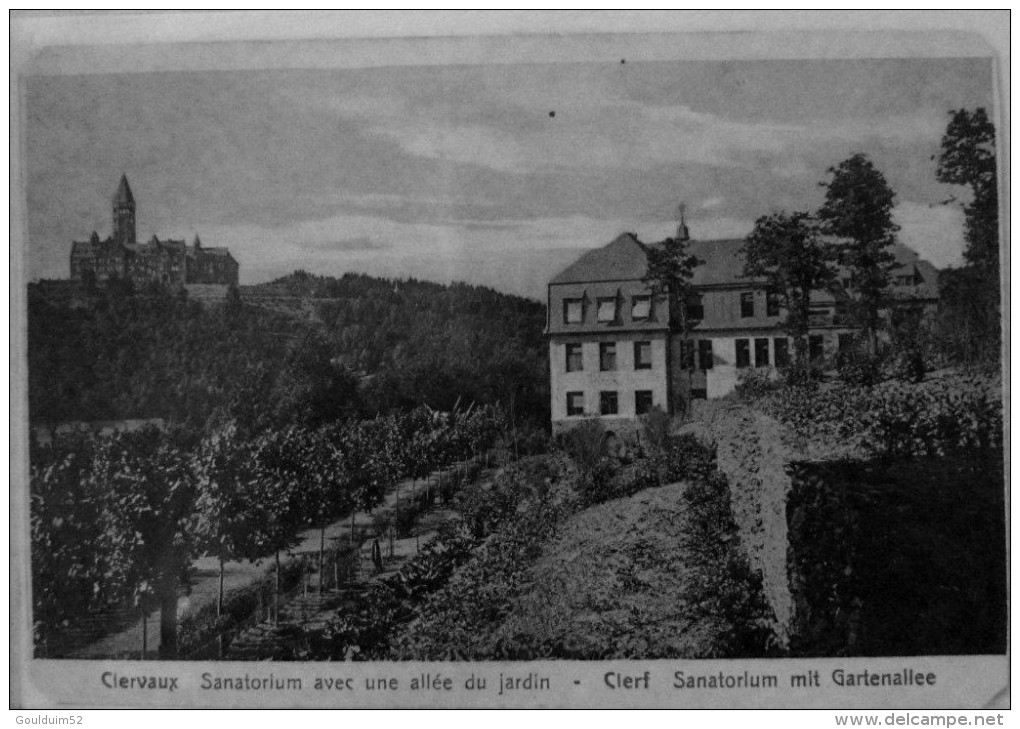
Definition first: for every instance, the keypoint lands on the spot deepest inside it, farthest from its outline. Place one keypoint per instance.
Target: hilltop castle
(169, 262)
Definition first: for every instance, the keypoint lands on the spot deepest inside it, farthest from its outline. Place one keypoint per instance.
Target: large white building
(614, 352)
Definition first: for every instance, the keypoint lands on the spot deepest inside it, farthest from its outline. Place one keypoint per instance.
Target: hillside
(302, 347)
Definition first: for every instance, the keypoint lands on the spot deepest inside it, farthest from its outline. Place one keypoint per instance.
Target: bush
(239, 605)
(755, 383)
(655, 429)
(404, 513)
(859, 367)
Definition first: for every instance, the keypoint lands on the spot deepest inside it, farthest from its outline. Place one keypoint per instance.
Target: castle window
(705, 354)
(816, 347)
(643, 402)
(695, 309)
(607, 356)
(771, 304)
(747, 304)
(573, 311)
(782, 347)
(575, 404)
(608, 404)
(607, 310)
(575, 358)
(641, 308)
(642, 355)
(743, 353)
(761, 352)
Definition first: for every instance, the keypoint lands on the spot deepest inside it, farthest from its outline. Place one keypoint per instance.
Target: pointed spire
(123, 195)
(94, 238)
(197, 243)
(681, 229)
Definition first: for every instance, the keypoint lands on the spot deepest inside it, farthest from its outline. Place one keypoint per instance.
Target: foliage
(722, 585)
(969, 329)
(858, 213)
(356, 344)
(968, 158)
(753, 383)
(961, 416)
(785, 250)
(655, 427)
(585, 443)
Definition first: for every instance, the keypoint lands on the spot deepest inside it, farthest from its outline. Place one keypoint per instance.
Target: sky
(498, 175)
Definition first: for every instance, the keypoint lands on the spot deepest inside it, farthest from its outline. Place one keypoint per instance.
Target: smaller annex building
(614, 353)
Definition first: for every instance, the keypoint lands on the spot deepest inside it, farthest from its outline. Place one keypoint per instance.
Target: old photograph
(567, 352)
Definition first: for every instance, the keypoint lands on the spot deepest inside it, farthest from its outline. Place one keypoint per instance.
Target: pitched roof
(626, 259)
(123, 195)
(622, 260)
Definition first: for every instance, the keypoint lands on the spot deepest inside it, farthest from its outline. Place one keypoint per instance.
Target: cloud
(934, 231)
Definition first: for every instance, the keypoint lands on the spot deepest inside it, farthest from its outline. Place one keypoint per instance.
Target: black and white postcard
(656, 364)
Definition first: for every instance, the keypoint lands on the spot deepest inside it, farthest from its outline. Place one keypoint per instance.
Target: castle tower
(124, 213)
(681, 229)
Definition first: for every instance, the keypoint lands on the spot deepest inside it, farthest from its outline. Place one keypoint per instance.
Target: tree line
(119, 521)
(362, 346)
(798, 252)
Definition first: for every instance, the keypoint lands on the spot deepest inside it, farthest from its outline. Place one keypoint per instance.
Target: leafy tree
(669, 273)
(968, 158)
(785, 250)
(969, 328)
(232, 513)
(150, 496)
(280, 484)
(858, 213)
(314, 388)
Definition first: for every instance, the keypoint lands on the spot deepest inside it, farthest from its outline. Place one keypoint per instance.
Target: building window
(607, 356)
(642, 355)
(846, 342)
(772, 304)
(781, 345)
(573, 311)
(695, 309)
(641, 307)
(608, 404)
(816, 347)
(607, 310)
(743, 353)
(687, 354)
(575, 403)
(699, 393)
(705, 358)
(575, 358)
(747, 304)
(643, 403)
(761, 352)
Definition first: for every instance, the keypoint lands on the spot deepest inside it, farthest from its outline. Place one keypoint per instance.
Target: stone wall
(751, 453)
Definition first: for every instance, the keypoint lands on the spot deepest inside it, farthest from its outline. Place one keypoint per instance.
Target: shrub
(655, 429)
(755, 383)
(859, 367)
(404, 513)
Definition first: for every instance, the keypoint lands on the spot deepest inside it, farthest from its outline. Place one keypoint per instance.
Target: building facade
(171, 263)
(615, 353)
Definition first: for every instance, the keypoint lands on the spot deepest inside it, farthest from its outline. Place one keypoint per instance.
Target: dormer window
(607, 310)
(573, 311)
(641, 307)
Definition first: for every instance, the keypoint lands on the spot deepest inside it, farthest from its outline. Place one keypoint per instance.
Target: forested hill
(358, 345)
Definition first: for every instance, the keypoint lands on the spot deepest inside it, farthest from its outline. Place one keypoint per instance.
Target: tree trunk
(276, 592)
(219, 598)
(145, 628)
(352, 526)
(322, 550)
(167, 587)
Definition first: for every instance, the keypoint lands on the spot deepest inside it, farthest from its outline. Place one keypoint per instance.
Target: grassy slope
(612, 582)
